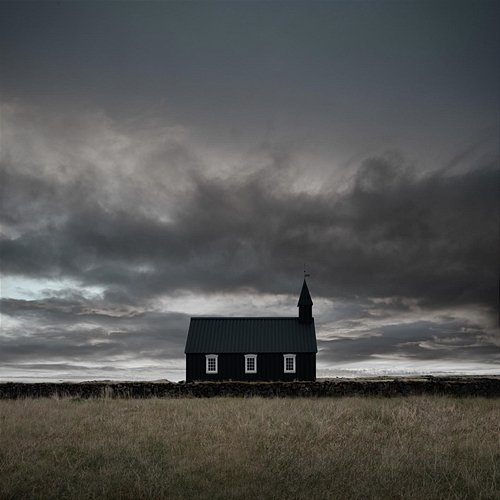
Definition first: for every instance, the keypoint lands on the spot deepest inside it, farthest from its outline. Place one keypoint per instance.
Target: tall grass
(418, 447)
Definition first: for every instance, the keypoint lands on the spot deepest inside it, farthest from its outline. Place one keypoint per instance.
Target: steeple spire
(305, 304)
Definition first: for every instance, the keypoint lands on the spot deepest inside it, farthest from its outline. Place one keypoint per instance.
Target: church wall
(231, 366)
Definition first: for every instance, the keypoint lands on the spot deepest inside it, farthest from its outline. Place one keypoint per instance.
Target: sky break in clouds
(164, 160)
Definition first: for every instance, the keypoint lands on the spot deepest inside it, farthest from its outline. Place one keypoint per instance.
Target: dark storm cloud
(341, 73)
(82, 329)
(393, 233)
(418, 341)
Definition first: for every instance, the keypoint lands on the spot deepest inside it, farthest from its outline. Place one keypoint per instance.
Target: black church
(253, 349)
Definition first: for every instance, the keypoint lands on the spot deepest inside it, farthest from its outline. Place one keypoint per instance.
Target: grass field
(416, 447)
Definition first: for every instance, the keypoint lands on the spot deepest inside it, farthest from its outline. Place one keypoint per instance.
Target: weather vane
(306, 274)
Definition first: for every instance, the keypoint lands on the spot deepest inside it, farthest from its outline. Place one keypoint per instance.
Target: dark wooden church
(253, 349)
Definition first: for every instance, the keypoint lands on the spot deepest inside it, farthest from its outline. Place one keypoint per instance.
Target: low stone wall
(456, 386)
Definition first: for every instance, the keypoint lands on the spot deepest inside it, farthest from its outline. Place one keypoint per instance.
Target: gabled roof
(305, 296)
(250, 335)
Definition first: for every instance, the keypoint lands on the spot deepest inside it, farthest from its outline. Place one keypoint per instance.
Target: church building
(253, 348)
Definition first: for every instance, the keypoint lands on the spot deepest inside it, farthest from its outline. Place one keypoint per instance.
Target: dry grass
(418, 447)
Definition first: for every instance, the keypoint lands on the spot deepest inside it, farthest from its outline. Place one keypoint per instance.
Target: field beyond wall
(256, 448)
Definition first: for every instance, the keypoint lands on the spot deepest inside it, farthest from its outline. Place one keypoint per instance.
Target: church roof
(305, 296)
(250, 335)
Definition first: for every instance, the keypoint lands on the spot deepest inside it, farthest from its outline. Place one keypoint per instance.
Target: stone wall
(455, 386)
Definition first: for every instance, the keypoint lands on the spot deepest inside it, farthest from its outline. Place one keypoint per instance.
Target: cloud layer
(141, 216)
(140, 223)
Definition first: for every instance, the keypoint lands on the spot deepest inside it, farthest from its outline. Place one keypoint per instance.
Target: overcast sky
(165, 160)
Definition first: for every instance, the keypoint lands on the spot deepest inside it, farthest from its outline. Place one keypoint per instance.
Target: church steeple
(305, 304)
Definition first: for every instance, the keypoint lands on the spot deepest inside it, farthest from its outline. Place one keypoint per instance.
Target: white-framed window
(211, 363)
(289, 363)
(250, 363)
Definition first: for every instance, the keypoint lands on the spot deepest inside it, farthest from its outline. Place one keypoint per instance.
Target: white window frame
(254, 357)
(289, 356)
(211, 357)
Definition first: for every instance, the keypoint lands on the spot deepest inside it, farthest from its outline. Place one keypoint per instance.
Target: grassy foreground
(416, 447)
